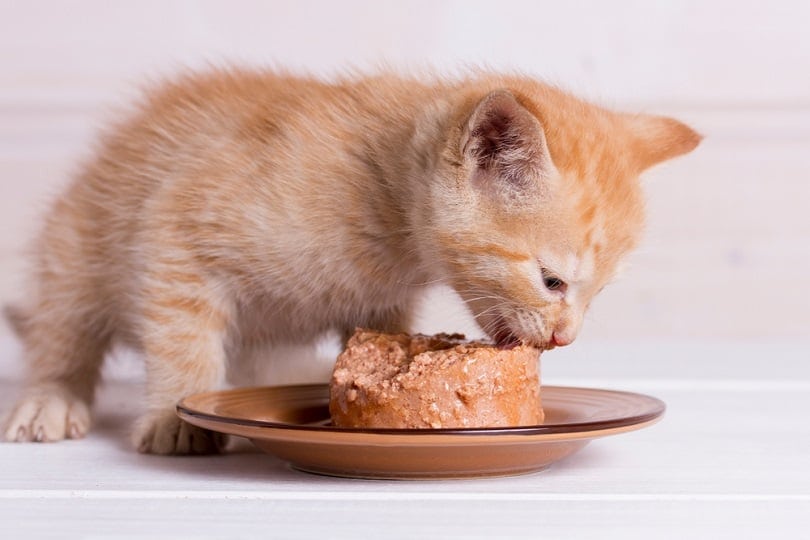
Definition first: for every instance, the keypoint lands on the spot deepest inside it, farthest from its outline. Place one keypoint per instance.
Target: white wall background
(727, 253)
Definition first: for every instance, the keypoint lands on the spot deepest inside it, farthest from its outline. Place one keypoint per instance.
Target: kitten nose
(561, 338)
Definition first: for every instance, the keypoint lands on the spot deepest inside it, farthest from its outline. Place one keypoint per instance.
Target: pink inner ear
(506, 141)
(497, 141)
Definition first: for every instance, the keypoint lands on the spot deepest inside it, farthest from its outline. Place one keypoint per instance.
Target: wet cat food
(439, 381)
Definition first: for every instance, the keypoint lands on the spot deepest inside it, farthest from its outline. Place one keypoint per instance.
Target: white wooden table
(731, 459)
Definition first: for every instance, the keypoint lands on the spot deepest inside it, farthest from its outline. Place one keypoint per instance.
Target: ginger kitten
(238, 208)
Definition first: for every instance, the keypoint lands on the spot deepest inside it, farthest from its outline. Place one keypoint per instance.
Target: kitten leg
(64, 347)
(183, 333)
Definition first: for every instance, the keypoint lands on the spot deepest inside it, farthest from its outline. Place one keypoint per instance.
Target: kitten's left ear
(659, 138)
(505, 144)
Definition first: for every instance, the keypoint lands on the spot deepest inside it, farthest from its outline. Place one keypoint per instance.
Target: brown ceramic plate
(292, 422)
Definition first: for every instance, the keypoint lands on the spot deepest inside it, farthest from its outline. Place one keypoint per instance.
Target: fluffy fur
(240, 208)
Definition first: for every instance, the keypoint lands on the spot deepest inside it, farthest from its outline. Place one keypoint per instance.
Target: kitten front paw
(162, 432)
(47, 413)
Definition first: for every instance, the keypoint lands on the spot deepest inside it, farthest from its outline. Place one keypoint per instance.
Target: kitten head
(538, 201)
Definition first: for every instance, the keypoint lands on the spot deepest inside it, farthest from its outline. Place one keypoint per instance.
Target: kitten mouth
(504, 337)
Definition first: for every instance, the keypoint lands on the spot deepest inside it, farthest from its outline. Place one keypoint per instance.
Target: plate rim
(656, 412)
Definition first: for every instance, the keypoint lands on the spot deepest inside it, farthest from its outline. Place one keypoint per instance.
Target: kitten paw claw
(47, 415)
(162, 432)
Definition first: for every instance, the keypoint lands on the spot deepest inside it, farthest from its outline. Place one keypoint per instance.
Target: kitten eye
(552, 282)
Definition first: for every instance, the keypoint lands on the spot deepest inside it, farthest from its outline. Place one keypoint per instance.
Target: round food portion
(440, 381)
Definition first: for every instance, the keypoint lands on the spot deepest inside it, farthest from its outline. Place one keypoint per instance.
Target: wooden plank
(427, 518)
(625, 51)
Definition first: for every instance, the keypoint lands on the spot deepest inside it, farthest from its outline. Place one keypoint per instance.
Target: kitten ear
(658, 138)
(505, 143)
